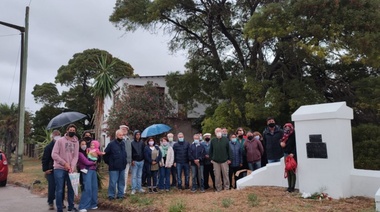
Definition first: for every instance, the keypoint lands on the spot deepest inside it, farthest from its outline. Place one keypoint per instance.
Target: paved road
(14, 198)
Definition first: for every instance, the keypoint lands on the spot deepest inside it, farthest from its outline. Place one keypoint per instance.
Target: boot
(289, 182)
(293, 181)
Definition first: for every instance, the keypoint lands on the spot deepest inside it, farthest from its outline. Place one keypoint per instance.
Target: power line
(8, 35)
(14, 72)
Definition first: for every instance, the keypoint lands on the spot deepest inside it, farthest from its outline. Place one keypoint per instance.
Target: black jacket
(47, 160)
(116, 156)
(290, 147)
(181, 150)
(138, 150)
(272, 143)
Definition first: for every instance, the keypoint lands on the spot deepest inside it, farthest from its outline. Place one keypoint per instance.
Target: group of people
(162, 163)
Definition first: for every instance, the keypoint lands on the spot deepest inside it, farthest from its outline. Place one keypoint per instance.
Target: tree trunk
(99, 112)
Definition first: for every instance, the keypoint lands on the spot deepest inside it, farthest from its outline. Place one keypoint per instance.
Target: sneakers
(167, 190)
(73, 209)
(94, 208)
(193, 190)
(82, 210)
(202, 190)
(133, 192)
(155, 190)
(150, 190)
(51, 207)
(142, 191)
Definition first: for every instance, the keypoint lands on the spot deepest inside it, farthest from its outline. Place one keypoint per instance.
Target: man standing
(181, 160)
(272, 138)
(47, 167)
(65, 155)
(196, 157)
(137, 162)
(208, 167)
(128, 149)
(116, 159)
(173, 169)
(220, 155)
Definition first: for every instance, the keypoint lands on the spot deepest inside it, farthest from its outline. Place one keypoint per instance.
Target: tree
(139, 107)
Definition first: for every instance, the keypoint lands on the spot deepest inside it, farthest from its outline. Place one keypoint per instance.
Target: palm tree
(103, 87)
(8, 127)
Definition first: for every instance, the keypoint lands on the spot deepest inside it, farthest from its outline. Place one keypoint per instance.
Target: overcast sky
(60, 28)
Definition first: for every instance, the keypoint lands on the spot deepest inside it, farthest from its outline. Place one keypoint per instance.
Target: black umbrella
(64, 119)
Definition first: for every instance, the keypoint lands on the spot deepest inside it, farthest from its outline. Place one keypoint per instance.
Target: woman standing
(237, 159)
(288, 143)
(152, 156)
(165, 164)
(89, 197)
(254, 150)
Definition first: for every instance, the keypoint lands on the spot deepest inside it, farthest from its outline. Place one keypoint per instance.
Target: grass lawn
(250, 199)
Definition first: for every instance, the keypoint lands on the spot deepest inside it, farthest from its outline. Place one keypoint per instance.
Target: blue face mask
(180, 139)
(233, 140)
(196, 141)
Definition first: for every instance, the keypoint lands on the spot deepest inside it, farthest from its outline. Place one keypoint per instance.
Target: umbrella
(155, 129)
(64, 119)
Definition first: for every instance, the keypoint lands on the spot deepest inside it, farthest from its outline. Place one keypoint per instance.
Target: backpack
(290, 165)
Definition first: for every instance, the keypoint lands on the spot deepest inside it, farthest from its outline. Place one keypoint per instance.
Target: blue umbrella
(64, 119)
(155, 129)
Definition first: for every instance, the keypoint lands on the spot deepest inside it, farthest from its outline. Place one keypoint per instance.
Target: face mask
(165, 143)
(83, 147)
(219, 134)
(71, 134)
(224, 135)
(119, 139)
(233, 140)
(180, 139)
(151, 143)
(56, 138)
(257, 137)
(250, 137)
(196, 141)
(207, 139)
(240, 136)
(87, 138)
(271, 125)
(200, 138)
(170, 139)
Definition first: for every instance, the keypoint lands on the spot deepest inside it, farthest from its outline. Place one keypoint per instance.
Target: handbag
(290, 165)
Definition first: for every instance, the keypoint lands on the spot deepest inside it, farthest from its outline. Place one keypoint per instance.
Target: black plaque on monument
(316, 148)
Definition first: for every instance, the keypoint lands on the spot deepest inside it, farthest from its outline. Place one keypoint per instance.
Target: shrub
(253, 200)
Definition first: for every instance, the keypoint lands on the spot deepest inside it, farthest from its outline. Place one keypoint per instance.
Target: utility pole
(18, 167)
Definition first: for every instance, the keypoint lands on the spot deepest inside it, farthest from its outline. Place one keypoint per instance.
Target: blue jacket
(181, 154)
(207, 152)
(237, 154)
(197, 151)
(116, 156)
(272, 143)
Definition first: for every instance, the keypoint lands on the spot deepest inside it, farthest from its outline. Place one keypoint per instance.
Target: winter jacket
(181, 154)
(169, 158)
(237, 154)
(65, 150)
(272, 143)
(148, 156)
(196, 151)
(47, 160)
(220, 150)
(290, 147)
(206, 145)
(128, 150)
(115, 156)
(253, 150)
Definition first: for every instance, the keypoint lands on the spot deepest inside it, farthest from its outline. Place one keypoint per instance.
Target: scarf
(164, 150)
(287, 134)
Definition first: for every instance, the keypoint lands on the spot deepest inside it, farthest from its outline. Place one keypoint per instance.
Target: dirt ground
(250, 199)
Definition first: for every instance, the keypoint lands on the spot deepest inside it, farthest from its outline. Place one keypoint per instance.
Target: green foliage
(140, 200)
(366, 146)
(253, 200)
(227, 202)
(47, 93)
(177, 206)
(139, 107)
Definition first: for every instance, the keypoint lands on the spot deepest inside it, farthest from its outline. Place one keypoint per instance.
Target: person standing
(241, 138)
(254, 150)
(220, 154)
(288, 143)
(181, 160)
(236, 159)
(128, 149)
(152, 156)
(208, 169)
(272, 137)
(65, 156)
(116, 160)
(173, 169)
(196, 157)
(166, 164)
(137, 162)
(89, 195)
(47, 167)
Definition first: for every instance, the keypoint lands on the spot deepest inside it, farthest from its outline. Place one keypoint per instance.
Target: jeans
(152, 176)
(51, 188)
(173, 171)
(61, 176)
(126, 176)
(185, 167)
(117, 178)
(197, 177)
(254, 165)
(137, 174)
(273, 161)
(164, 179)
(89, 196)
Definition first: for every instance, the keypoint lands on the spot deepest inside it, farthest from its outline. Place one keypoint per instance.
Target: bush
(253, 200)
(227, 202)
(177, 206)
(366, 146)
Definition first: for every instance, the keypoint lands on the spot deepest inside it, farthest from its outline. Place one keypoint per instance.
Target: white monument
(325, 156)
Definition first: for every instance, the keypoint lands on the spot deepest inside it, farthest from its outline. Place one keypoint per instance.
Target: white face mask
(219, 134)
(170, 139)
(257, 137)
(83, 147)
(151, 143)
(57, 137)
